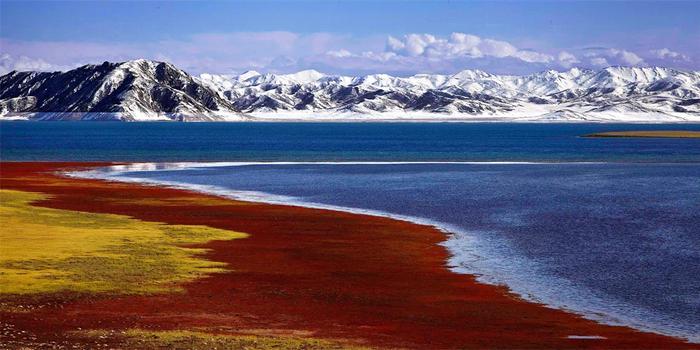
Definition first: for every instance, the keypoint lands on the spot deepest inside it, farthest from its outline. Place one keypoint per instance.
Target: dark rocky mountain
(134, 90)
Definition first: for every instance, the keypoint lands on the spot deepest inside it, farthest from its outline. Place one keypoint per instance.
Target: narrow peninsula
(682, 134)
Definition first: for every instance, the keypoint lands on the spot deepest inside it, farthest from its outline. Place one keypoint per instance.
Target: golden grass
(194, 340)
(655, 133)
(46, 250)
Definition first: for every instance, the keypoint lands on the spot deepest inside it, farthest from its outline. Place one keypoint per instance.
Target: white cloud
(379, 56)
(599, 61)
(339, 53)
(9, 63)
(281, 51)
(496, 48)
(567, 59)
(603, 57)
(206, 52)
(465, 43)
(533, 57)
(666, 53)
(627, 57)
(459, 45)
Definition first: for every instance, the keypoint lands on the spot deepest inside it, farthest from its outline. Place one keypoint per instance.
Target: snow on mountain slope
(130, 91)
(148, 90)
(613, 93)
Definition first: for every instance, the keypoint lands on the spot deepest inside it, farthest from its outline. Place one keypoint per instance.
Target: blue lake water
(114, 141)
(609, 228)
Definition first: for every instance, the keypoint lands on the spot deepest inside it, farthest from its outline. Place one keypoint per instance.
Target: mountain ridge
(150, 90)
(129, 91)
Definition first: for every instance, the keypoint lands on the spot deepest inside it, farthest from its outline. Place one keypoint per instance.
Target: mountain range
(144, 90)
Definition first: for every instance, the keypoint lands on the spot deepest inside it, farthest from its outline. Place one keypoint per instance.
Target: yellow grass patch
(193, 340)
(46, 250)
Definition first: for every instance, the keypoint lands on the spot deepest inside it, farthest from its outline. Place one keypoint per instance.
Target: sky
(351, 37)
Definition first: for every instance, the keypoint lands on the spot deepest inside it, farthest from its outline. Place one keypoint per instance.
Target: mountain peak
(247, 75)
(132, 90)
(305, 76)
(139, 62)
(470, 74)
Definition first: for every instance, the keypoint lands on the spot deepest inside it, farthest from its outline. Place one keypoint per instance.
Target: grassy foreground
(49, 250)
(304, 278)
(655, 133)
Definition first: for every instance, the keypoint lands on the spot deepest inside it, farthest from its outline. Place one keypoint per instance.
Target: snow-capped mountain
(134, 90)
(147, 90)
(614, 94)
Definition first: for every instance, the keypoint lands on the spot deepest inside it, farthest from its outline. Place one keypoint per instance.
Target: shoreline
(544, 116)
(438, 120)
(593, 311)
(385, 280)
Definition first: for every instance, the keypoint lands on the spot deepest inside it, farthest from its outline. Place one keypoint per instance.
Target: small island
(649, 133)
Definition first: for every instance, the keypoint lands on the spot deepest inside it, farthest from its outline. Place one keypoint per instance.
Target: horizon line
(354, 76)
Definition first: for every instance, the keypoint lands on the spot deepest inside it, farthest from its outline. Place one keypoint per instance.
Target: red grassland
(332, 275)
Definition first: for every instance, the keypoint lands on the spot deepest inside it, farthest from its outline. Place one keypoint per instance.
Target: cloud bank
(281, 51)
(459, 45)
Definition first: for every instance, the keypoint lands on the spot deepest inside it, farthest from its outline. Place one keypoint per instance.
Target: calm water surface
(114, 141)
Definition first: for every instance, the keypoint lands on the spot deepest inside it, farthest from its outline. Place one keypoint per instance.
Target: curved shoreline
(621, 315)
(376, 280)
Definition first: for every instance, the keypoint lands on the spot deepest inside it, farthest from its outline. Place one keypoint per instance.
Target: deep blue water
(618, 239)
(113, 141)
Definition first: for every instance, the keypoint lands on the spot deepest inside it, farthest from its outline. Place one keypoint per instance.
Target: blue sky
(351, 37)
